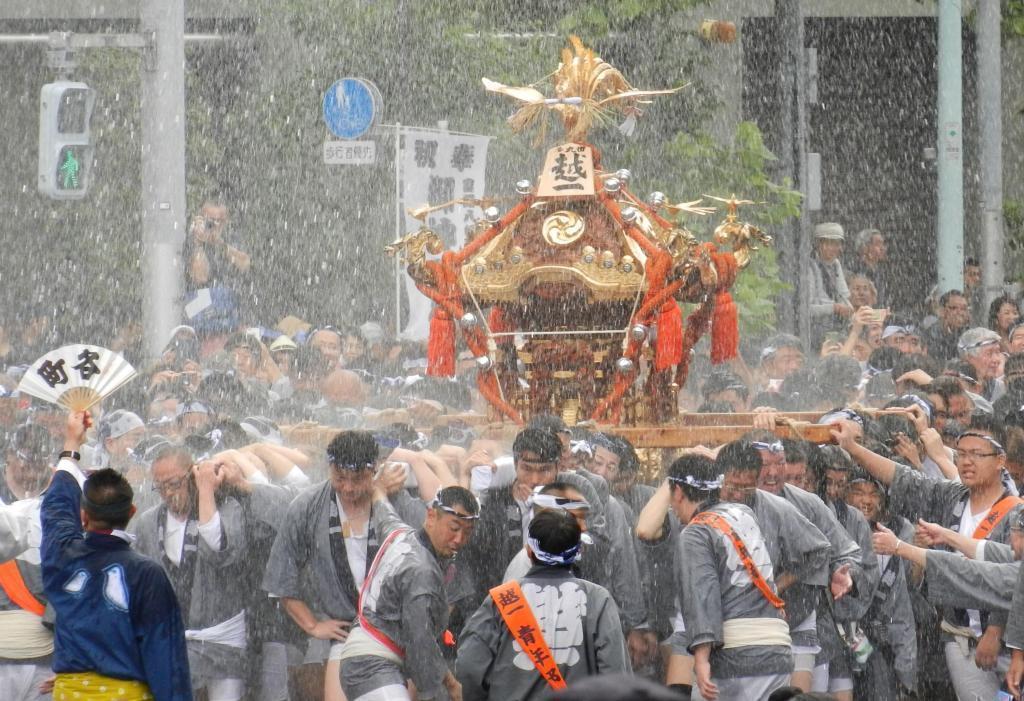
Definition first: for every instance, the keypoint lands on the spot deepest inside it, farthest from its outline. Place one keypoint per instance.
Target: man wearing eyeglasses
(978, 506)
(199, 538)
(402, 611)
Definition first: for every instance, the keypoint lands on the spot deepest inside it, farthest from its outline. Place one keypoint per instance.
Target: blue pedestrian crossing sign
(350, 107)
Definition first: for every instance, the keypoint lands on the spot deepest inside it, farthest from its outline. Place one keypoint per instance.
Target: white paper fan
(76, 377)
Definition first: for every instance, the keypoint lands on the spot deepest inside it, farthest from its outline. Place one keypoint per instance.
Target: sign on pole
(437, 167)
(347, 153)
(350, 108)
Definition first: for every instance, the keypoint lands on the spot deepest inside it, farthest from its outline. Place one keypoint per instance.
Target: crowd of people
(313, 517)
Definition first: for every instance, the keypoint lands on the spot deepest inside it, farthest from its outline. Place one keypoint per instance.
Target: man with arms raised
(979, 507)
(119, 633)
(324, 547)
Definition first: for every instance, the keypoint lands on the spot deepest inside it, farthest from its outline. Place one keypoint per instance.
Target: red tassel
(497, 320)
(668, 349)
(441, 346)
(725, 329)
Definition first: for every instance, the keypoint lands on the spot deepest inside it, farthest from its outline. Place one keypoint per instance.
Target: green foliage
(1013, 18)
(702, 166)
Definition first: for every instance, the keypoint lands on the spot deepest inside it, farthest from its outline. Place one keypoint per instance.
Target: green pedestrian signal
(65, 144)
(67, 173)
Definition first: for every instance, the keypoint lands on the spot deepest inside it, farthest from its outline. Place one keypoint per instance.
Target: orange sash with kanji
(16, 590)
(515, 611)
(995, 515)
(718, 522)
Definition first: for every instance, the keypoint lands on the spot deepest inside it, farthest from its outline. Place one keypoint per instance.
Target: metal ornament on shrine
(575, 285)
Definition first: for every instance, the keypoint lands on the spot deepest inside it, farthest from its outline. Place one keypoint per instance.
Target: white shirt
(355, 547)
(174, 535)
(968, 524)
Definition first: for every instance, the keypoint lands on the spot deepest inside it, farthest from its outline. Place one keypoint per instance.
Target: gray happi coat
(215, 594)
(579, 621)
(300, 564)
(406, 601)
(913, 496)
(717, 588)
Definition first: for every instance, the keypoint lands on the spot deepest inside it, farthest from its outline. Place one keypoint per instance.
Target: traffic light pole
(163, 169)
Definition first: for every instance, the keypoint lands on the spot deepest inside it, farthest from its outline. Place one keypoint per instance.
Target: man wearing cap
(324, 547)
(869, 255)
(573, 624)
(954, 318)
(402, 613)
(978, 506)
(982, 348)
(26, 645)
(734, 617)
(829, 298)
(119, 632)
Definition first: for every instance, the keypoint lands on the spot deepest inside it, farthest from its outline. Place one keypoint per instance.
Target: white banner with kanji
(437, 167)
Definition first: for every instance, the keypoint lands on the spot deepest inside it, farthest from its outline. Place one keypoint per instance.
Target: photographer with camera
(215, 272)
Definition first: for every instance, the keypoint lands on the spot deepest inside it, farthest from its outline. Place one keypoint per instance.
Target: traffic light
(65, 149)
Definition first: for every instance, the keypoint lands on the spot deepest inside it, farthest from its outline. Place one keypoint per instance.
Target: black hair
(555, 530)
(971, 262)
(353, 450)
(986, 423)
(716, 408)
(796, 450)
(721, 380)
(916, 361)
(884, 358)
(738, 456)
(623, 449)
(951, 293)
(543, 443)
(557, 486)
(308, 361)
(548, 422)
(107, 498)
(997, 304)
(891, 424)
(699, 468)
(459, 496)
(947, 388)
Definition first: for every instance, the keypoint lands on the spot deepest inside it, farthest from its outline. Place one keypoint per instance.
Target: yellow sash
(89, 686)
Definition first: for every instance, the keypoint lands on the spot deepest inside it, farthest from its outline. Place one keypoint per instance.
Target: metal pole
(399, 219)
(163, 167)
(950, 148)
(990, 128)
(803, 184)
(788, 20)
